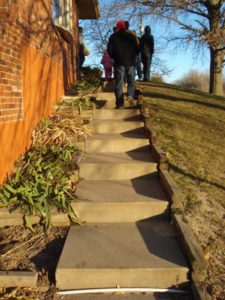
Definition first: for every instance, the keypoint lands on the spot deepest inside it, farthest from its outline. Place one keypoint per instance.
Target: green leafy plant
(80, 103)
(90, 81)
(42, 182)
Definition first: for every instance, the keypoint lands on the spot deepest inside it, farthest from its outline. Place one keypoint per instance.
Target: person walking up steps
(123, 49)
(147, 50)
(108, 64)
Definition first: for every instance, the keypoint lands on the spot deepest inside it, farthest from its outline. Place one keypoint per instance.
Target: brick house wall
(37, 65)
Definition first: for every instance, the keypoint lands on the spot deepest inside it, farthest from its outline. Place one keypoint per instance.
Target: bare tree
(194, 79)
(202, 22)
(97, 32)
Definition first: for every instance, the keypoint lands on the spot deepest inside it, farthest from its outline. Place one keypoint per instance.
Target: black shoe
(119, 107)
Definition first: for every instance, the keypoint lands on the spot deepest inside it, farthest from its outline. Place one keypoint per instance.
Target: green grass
(190, 128)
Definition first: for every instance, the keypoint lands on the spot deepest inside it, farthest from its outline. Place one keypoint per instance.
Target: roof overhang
(88, 9)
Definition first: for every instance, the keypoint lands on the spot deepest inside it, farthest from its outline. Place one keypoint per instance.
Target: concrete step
(104, 255)
(105, 100)
(129, 200)
(123, 296)
(115, 143)
(107, 96)
(111, 104)
(105, 104)
(117, 126)
(117, 166)
(115, 114)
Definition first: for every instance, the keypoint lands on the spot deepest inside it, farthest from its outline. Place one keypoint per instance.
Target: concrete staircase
(127, 240)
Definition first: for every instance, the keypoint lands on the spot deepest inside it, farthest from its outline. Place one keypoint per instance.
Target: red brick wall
(36, 66)
(10, 67)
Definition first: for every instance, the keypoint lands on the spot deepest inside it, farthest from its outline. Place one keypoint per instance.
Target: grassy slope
(190, 127)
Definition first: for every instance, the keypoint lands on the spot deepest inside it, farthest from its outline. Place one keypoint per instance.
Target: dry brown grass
(190, 127)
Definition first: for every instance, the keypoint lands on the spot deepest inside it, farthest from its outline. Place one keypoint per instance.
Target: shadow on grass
(196, 178)
(185, 90)
(190, 116)
(179, 99)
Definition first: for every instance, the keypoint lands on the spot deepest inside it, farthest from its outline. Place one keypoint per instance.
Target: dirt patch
(22, 250)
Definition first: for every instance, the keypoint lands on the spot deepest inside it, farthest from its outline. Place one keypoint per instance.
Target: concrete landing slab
(130, 200)
(117, 166)
(102, 143)
(118, 126)
(143, 254)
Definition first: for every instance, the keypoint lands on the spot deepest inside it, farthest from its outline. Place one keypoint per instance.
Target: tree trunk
(216, 73)
(215, 44)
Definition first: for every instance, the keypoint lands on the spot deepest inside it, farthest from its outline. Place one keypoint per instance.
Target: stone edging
(16, 219)
(187, 240)
(18, 279)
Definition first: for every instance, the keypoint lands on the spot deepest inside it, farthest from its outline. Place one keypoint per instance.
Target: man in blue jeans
(123, 49)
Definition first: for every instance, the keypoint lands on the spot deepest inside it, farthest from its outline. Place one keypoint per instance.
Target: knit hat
(120, 25)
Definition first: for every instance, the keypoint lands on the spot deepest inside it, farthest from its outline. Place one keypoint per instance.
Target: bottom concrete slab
(143, 254)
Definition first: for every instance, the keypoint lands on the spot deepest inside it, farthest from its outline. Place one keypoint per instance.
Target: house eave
(88, 9)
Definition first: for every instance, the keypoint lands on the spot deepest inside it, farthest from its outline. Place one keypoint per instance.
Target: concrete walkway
(127, 240)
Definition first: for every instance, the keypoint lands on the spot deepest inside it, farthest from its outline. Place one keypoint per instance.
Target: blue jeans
(146, 60)
(119, 72)
(138, 66)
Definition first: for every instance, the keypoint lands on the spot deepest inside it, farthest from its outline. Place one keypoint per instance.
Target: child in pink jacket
(108, 65)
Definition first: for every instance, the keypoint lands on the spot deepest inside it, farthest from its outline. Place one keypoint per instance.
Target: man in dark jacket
(123, 49)
(147, 50)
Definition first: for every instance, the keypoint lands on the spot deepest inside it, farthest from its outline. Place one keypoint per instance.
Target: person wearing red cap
(123, 49)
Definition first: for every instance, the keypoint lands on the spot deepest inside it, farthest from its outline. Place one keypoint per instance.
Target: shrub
(195, 80)
(157, 79)
(90, 80)
(91, 73)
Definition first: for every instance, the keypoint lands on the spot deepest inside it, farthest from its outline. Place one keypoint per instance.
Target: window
(62, 13)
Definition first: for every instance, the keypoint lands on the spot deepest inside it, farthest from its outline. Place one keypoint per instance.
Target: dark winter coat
(147, 45)
(123, 48)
